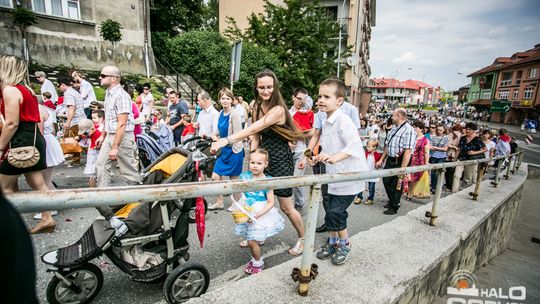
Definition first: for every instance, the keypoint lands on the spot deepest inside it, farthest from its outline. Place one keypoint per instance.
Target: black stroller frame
(76, 280)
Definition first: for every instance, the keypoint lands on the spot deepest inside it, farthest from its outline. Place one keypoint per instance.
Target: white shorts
(91, 158)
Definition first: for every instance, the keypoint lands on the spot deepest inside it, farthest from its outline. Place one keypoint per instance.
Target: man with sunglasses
(147, 101)
(117, 142)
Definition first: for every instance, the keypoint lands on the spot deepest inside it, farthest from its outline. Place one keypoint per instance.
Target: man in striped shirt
(398, 149)
(117, 142)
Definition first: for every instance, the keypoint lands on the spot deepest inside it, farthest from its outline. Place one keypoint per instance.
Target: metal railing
(168, 69)
(93, 197)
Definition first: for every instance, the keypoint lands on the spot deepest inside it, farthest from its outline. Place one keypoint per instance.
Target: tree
(206, 57)
(303, 37)
(176, 16)
(22, 19)
(109, 30)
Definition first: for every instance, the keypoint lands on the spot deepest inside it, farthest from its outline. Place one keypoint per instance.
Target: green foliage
(301, 34)
(430, 108)
(100, 93)
(23, 18)
(174, 16)
(109, 30)
(206, 57)
(210, 15)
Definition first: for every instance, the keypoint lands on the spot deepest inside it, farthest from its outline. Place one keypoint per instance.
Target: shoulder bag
(24, 157)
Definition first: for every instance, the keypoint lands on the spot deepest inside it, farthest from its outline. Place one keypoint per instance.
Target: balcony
(486, 94)
(506, 82)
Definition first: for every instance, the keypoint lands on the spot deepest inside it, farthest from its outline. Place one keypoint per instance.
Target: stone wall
(80, 53)
(55, 41)
(478, 248)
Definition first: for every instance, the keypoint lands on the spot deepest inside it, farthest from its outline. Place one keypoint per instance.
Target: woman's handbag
(24, 157)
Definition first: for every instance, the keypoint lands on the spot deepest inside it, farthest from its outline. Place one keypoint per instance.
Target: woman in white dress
(53, 151)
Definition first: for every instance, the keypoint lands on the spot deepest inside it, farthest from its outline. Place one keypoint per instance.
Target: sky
(434, 40)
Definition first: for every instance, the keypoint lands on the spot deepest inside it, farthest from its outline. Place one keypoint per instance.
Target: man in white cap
(117, 141)
(46, 85)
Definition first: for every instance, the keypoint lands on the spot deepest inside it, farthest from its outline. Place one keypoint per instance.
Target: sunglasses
(105, 76)
(146, 89)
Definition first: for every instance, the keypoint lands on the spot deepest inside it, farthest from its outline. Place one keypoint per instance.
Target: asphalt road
(221, 254)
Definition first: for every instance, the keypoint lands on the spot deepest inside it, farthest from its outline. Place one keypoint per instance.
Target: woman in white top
(53, 151)
(490, 145)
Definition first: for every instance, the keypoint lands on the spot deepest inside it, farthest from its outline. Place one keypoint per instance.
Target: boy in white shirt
(343, 152)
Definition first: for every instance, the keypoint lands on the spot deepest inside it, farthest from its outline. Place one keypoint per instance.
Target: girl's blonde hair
(13, 71)
(263, 152)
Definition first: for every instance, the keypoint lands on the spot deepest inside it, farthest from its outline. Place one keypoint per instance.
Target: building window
(6, 3)
(56, 7)
(62, 8)
(518, 77)
(515, 94)
(73, 9)
(506, 79)
(503, 94)
(39, 6)
(528, 93)
(533, 73)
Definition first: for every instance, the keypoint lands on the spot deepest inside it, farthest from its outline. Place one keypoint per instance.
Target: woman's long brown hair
(287, 130)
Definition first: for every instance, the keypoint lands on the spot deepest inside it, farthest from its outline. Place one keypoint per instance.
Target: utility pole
(339, 43)
(146, 47)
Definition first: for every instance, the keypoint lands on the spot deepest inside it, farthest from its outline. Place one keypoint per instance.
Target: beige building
(67, 33)
(356, 16)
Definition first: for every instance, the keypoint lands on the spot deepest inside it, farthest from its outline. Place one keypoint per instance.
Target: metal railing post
(497, 173)
(507, 175)
(515, 164)
(520, 158)
(438, 190)
(308, 271)
(479, 177)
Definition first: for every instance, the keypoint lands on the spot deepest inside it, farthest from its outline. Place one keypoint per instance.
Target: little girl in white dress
(264, 220)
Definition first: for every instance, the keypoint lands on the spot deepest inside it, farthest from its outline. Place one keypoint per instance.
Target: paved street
(221, 254)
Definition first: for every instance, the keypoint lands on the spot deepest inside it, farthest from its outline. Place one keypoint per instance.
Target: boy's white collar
(334, 116)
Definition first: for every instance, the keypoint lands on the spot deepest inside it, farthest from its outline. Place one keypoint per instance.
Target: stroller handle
(191, 139)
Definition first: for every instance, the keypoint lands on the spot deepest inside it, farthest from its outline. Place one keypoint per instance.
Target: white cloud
(407, 57)
(438, 39)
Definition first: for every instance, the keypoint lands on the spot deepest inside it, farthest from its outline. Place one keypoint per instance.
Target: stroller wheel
(185, 282)
(192, 212)
(86, 280)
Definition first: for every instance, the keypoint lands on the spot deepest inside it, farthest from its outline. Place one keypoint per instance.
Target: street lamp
(395, 79)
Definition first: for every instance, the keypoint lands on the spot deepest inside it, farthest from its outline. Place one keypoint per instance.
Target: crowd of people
(331, 136)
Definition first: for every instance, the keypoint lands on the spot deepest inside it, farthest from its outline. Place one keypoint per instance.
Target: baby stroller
(152, 144)
(147, 241)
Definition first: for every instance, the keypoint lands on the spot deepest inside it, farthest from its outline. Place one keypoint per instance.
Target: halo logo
(464, 285)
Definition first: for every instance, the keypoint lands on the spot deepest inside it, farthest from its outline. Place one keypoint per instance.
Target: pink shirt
(138, 128)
